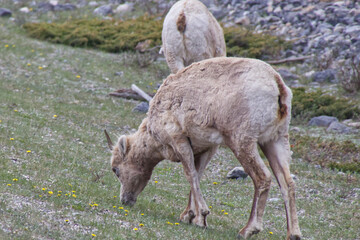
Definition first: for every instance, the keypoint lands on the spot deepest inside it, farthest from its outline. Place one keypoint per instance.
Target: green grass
(69, 153)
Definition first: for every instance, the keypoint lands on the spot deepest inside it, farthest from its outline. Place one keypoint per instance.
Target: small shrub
(344, 156)
(244, 43)
(108, 35)
(349, 74)
(306, 105)
(118, 36)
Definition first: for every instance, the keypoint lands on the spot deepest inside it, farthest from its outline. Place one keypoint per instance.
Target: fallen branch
(141, 92)
(291, 59)
(126, 93)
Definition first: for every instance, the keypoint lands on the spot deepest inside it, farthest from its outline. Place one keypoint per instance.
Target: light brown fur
(242, 103)
(191, 34)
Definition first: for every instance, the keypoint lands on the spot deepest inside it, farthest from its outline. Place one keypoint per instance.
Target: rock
(64, 7)
(354, 124)
(327, 75)
(237, 172)
(24, 10)
(287, 75)
(322, 121)
(124, 8)
(93, 4)
(4, 12)
(142, 107)
(103, 10)
(338, 127)
(45, 7)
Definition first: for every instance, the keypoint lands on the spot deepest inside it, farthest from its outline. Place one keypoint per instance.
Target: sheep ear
(123, 144)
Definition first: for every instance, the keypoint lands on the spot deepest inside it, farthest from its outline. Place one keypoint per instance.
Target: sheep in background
(191, 34)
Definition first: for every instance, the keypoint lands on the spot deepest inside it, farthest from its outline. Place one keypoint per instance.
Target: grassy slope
(69, 153)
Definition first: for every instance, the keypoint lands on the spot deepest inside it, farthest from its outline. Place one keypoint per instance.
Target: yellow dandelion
(66, 220)
(40, 195)
(95, 204)
(70, 184)
(142, 214)
(222, 210)
(114, 196)
(121, 208)
(59, 191)
(40, 67)
(35, 186)
(135, 229)
(9, 184)
(125, 214)
(59, 195)
(78, 76)
(50, 192)
(11, 139)
(28, 151)
(94, 235)
(225, 213)
(114, 206)
(55, 116)
(74, 195)
(155, 181)
(271, 233)
(66, 194)
(126, 210)
(15, 179)
(15, 110)
(210, 207)
(154, 91)
(141, 224)
(170, 223)
(177, 223)
(43, 188)
(6, 45)
(29, 64)
(215, 183)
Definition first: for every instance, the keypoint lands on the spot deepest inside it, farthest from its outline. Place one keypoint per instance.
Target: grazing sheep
(242, 103)
(191, 34)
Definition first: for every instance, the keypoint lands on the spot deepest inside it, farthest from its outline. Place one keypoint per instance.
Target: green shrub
(343, 156)
(306, 105)
(116, 36)
(108, 35)
(244, 43)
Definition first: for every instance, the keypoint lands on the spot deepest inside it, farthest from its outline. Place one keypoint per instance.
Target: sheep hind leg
(247, 154)
(188, 215)
(279, 156)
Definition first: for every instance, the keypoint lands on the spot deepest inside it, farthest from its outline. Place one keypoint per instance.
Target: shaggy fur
(191, 34)
(242, 103)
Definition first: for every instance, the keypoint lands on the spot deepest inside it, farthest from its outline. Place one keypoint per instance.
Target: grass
(51, 140)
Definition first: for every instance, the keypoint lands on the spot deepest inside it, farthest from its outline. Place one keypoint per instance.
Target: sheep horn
(110, 144)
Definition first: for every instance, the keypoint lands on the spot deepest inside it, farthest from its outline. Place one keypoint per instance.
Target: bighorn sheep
(239, 102)
(191, 34)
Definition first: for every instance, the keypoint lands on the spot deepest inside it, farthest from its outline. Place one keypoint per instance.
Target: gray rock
(64, 7)
(142, 107)
(103, 10)
(237, 172)
(287, 75)
(124, 8)
(338, 127)
(4, 12)
(45, 7)
(322, 121)
(327, 75)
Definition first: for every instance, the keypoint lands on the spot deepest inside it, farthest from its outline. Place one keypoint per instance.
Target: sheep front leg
(201, 161)
(198, 209)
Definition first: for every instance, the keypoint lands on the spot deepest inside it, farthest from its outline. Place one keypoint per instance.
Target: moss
(116, 36)
(310, 104)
